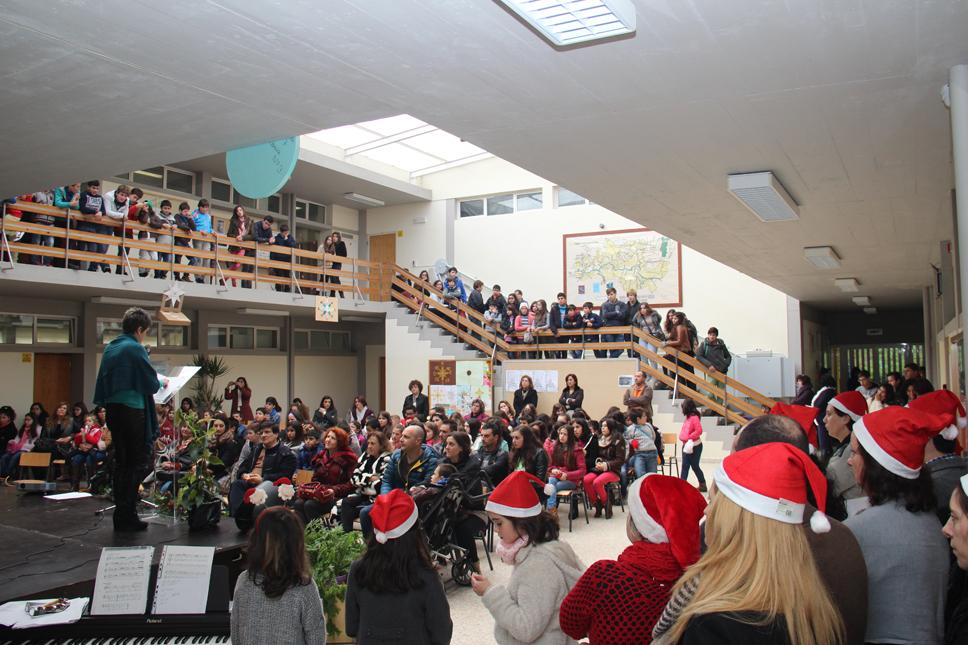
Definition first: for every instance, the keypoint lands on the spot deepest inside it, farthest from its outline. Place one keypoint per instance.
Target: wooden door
(383, 249)
(52, 379)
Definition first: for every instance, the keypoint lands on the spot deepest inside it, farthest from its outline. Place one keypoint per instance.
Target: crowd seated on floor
(825, 562)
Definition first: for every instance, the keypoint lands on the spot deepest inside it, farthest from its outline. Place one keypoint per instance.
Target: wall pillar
(958, 99)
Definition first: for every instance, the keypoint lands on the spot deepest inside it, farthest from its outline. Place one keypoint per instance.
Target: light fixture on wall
(870, 311)
(565, 22)
(363, 199)
(764, 196)
(822, 257)
(862, 301)
(847, 285)
(128, 302)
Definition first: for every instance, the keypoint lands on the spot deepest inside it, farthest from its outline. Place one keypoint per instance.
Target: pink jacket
(691, 429)
(522, 323)
(573, 475)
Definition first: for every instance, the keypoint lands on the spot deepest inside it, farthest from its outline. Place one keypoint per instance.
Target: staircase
(424, 331)
(717, 439)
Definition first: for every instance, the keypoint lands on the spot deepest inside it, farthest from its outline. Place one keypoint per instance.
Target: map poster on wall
(454, 384)
(639, 259)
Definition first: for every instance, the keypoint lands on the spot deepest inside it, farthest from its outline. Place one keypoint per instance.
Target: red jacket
(617, 602)
(578, 472)
(335, 471)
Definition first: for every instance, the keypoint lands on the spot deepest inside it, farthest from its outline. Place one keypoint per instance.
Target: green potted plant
(198, 493)
(207, 396)
(331, 552)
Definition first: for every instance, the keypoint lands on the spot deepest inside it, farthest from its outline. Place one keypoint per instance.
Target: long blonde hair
(760, 565)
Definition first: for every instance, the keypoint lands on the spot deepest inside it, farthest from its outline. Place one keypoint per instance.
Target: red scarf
(654, 560)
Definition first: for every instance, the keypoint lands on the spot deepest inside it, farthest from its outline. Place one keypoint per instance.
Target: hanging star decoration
(174, 295)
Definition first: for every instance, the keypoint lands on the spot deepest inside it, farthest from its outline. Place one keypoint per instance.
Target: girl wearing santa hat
(616, 601)
(905, 552)
(842, 412)
(757, 583)
(545, 569)
(393, 593)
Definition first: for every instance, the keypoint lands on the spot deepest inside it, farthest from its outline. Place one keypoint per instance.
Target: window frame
(330, 333)
(305, 220)
(154, 336)
(33, 329)
(558, 204)
(254, 328)
(486, 199)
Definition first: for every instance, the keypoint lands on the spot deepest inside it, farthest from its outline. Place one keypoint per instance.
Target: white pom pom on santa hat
(819, 523)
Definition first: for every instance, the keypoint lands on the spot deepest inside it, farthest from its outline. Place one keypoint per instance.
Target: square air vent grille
(764, 196)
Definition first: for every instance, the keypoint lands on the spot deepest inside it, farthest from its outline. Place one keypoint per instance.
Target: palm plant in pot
(198, 493)
(210, 368)
(331, 552)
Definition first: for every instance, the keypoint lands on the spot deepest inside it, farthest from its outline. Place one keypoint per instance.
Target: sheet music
(176, 382)
(184, 573)
(121, 586)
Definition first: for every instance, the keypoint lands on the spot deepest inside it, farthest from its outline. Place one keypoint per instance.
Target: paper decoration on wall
(170, 311)
(263, 169)
(443, 372)
(327, 309)
(455, 384)
(543, 380)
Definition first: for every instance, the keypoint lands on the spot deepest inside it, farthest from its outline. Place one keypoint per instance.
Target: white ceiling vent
(764, 196)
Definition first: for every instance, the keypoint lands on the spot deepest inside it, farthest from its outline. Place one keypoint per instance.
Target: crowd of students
(126, 204)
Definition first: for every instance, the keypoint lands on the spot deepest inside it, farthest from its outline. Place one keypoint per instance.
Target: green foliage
(206, 395)
(198, 486)
(331, 552)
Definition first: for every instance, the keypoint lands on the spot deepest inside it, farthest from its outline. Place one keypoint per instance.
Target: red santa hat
(516, 496)
(805, 415)
(895, 437)
(392, 515)
(667, 510)
(851, 403)
(771, 480)
(943, 403)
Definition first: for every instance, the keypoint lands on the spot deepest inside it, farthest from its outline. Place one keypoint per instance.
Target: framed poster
(454, 384)
(640, 259)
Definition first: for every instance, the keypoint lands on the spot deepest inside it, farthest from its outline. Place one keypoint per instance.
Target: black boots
(608, 506)
(598, 509)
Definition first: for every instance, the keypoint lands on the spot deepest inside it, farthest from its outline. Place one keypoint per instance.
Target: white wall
(424, 228)
(407, 359)
(18, 381)
(266, 376)
(372, 355)
(346, 218)
(332, 375)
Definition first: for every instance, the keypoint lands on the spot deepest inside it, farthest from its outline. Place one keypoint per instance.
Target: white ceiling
(840, 98)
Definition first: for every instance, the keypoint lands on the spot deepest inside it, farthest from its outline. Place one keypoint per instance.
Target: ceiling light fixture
(862, 301)
(870, 311)
(847, 285)
(822, 257)
(764, 195)
(569, 22)
(249, 311)
(129, 302)
(363, 199)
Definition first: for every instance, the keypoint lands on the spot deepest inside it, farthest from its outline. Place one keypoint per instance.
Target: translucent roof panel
(401, 141)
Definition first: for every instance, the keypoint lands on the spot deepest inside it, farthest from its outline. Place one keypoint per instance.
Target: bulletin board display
(454, 384)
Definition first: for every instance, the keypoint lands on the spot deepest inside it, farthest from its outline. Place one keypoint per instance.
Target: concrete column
(930, 337)
(958, 98)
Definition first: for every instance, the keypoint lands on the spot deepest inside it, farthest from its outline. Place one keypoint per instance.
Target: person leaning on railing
(66, 197)
(91, 204)
(185, 223)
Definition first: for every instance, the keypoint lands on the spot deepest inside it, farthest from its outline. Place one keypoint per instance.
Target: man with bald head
(837, 553)
(410, 465)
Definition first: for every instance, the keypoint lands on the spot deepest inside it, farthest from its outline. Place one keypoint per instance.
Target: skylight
(403, 142)
(568, 22)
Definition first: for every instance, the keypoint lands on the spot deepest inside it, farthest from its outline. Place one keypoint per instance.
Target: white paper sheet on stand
(184, 573)
(175, 382)
(121, 585)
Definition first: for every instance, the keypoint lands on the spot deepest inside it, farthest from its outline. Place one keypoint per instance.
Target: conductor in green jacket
(126, 384)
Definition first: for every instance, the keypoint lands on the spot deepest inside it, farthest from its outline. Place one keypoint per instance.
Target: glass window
(319, 340)
(317, 213)
(221, 190)
(247, 202)
(472, 207)
(340, 341)
(150, 177)
(183, 182)
(300, 340)
(173, 336)
(55, 330)
(218, 337)
(528, 201)
(107, 330)
(242, 338)
(16, 329)
(569, 198)
(267, 339)
(500, 205)
(301, 208)
(274, 204)
(124, 175)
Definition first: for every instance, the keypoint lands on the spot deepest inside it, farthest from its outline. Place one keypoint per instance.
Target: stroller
(438, 517)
